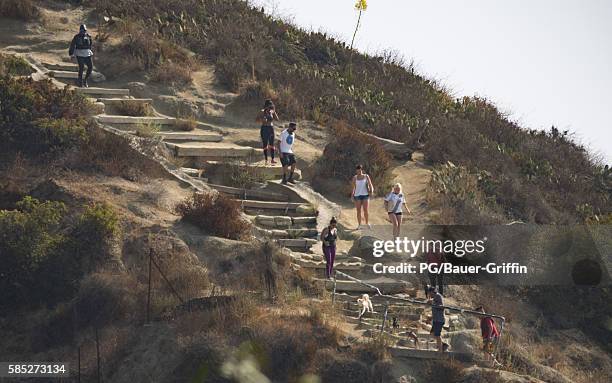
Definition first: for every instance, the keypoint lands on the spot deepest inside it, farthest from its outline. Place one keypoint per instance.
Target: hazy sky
(546, 62)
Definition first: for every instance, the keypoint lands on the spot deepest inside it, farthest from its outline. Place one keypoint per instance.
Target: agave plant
(360, 6)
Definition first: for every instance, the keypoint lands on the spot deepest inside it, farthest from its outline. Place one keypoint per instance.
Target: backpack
(83, 41)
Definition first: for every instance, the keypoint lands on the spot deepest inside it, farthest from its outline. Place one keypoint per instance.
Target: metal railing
(419, 302)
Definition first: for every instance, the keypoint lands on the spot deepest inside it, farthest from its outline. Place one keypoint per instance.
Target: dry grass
(106, 298)
(239, 176)
(148, 130)
(534, 173)
(172, 74)
(19, 9)
(127, 108)
(215, 214)
(186, 124)
(112, 155)
(141, 50)
(154, 192)
(349, 148)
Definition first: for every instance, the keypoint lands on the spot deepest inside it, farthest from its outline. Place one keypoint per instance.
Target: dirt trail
(414, 177)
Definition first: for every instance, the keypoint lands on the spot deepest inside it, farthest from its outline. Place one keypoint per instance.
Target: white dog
(366, 304)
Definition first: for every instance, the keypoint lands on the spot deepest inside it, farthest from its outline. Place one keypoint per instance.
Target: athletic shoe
(273, 162)
(291, 181)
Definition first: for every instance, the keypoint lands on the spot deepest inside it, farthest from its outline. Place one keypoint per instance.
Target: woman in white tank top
(394, 204)
(362, 191)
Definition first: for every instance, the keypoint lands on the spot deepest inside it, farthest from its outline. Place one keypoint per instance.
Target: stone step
(118, 100)
(61, 66)
(289, 233)
(409, 352)
(191, 136)
(263, 195)
(284, 222)
(373, 321)
(259, 167)
(103, 91)
(298, 243)
(270, 205)
(405, 310)
(70, 75)
(352, 316)
(342, 266)
(201, 149)
(197, 173)
(402, 315)
(340, 257)
(135, 120)
(376, 299)
(388, 287)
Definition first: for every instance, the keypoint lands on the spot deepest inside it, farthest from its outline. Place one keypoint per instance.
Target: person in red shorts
(490, 335)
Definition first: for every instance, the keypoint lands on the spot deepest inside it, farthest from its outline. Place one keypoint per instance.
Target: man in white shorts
(284, 146)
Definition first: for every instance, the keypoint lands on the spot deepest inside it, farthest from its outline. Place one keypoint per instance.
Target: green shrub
(105, 298)
(147, 129)
(37, 118)
(14, 66)
(100, 221)
(43, 254)
(28, 236)
(215, 214)
(459, 196)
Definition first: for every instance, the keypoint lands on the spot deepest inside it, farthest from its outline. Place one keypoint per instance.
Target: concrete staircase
(297, 219)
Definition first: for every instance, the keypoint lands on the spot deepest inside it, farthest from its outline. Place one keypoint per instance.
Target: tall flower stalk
(361, 6)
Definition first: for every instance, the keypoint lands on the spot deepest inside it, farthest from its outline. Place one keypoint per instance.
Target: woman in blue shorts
(362, 191)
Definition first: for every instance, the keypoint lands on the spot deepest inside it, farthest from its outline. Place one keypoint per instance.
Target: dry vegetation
(14, 66)
(140, 50)
(216, 214)
(19, 9)
(186, 124)
(536, 176)
(238, 175)
(126, 108)
(347, 149)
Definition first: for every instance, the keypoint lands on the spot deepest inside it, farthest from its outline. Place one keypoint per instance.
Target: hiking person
(436, 279)
(81, 48)
(437, 316)
(329, 235)
(363, 189)
(266, 117)
(394, 203)
(285, 149)
(490, 335)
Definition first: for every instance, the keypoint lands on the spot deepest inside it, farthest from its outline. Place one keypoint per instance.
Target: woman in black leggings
(266, 117)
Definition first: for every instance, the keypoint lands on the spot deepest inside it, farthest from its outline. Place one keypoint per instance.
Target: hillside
(311, 75)
(139, 217)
